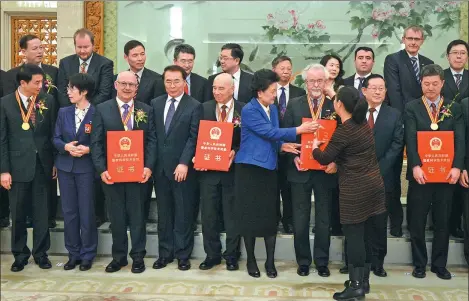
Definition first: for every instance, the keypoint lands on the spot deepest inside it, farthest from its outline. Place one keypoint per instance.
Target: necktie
(186, 88)
(223, 113)
(315, 106)
(33, 113)
(360, 85)
(434, 113)
(124, 116)
(83, 67)
(169, 115)
(415, 65)
(371, 119)
(458, 79)
(282, 102)
(138, 83)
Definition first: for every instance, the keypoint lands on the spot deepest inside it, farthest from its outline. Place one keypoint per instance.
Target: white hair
(314, 67)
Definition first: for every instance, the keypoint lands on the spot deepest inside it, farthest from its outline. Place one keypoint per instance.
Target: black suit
(175, 200)
(126, 200)
(29, 157)
(465, 194)
(436, 195)
(4, 206)
(150, 86)
(100, 67)
(217, 194)
(197, 86)
(244, 90)
(283, 185)
(303, 183)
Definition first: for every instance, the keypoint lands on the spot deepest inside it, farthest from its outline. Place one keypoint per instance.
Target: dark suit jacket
(151, 86)
(106, 118)
(389, 142)
(244, 91)
(198, 84)
(65, 132)
(450, 90)
(215, 177)
(401, 82)
(178, 146)
(2, 79)
(465, 110)
(416, 119)
(100, 68)
(19, 148)
(294, 93)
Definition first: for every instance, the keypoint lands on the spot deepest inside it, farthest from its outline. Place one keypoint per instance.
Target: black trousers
(284, 206)
(335, 211)
(319, 182)
(99, 200)
(32, 194)
(126, 207)
(394, 205)
(359, 246)
(4, 203)
(147, 197)
(53, 200)
(465, 201)
(216, 198)
(438, 196)
(455, 219)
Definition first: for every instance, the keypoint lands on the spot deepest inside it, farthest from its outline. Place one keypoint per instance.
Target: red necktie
(371, 119)
(315, 106)
(433, 106)
(186, 88)
(223, 113)
(33, 113)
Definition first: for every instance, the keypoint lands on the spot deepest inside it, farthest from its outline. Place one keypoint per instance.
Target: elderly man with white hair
(314, 105)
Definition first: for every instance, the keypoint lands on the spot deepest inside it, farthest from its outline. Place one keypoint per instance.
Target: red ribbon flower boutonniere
(332, 116)
(236, 119)
(140, 116)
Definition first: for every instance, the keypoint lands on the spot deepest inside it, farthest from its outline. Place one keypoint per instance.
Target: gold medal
(25, 126)
(434, 119)
(434, 126)
(126, 128)
(25, 116)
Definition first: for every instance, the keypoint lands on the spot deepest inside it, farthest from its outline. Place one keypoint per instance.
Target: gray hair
(432, 70)
(314, 67)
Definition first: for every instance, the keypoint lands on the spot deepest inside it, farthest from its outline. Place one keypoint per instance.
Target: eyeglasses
(225, 58)
(410, 39)
(374, 89)
(313, 81)
(126, 84)
(461, 53)
(173, 82)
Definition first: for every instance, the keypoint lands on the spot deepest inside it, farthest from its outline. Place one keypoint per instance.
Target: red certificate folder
(323, 134)
(214, 145)
(436, 151)
(125, 158)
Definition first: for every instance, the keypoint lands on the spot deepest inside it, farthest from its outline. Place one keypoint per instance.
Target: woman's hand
(316, 143)
(308, 127)
(293, 148)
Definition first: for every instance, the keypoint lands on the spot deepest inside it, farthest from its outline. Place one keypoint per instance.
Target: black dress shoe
(4, 222)
(270, 270)
(18, 265)
(323, 271)
(253, 270)
(232, 264)
(419, 273)
(344, 269)
(303, 270)
(85, 265)
(288, 228)
(114, 266)
(458, 233)
(380, 271)
(52, 224)
(43, 262)
(161, 263)
(441, 273)
(138, 266)
(184, 264)
(209, 263)
(396, 233)
(71, 264)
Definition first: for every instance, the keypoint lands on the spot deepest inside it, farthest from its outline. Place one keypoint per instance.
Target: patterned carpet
(217, 284)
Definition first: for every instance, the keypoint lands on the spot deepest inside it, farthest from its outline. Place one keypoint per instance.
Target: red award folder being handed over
(436, 151)
(214, 145)
(323, 134)
(125, 158)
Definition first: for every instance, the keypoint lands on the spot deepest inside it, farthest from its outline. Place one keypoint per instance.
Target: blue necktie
(360, 85)
(415, 65)
(169, 115)
(124, 116)
(282, 102)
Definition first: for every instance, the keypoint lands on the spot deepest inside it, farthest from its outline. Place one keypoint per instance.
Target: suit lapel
(465, 82)
(380, 120)
(242, 84)
(144, 81)
(258, 107)
(212, 111)
(93, 64)
(114, 111)
(408, 63)
(83, 122)
(305, 108)
(75, 65)
(449, 79)
(423, 111)
(70, 119)
(181, 107)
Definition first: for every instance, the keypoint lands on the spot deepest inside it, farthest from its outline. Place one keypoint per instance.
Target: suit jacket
(151, 86)
(261, 137)
(389, 142)
(215, 177)
(450, 90)
(178, 145)
(465, 110)
(416, 119)
(298, 109)
(197, 88)
(65, 132)
(244, 91)
(100, 68)
(107, 117)
(19, 148)
(2, 79)
(402, 84)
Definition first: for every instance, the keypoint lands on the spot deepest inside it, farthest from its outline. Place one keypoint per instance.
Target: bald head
(223, 88)
(126, 86)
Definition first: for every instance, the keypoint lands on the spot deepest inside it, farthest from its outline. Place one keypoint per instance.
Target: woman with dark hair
(256, 168)
(76, 172)
(335, 66)
(361, 187)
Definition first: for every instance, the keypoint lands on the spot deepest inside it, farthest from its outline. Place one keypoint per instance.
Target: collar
(188, 78)
(266, 108)
(377, 108)
(178, 98)
(228, 104)
(237, 75)
(279, 86)
(436, 102)
(140, 73)
(411, 56)
(87, 107)
(358, 76)
(22, 96)
(454, 72)
(120, 103)
(87, 61)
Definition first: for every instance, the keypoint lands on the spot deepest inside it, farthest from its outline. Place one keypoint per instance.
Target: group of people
(54, 124)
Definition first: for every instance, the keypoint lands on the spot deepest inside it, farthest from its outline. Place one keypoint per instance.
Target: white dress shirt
(168, 103)
(266, 109)
(24, 99)
(79, 116)
(229, 117)
(237, 77)
(416, 56)
(356, 82)
(88, 61)
(188, 81)
(120, 103)
(287, 92)
(375, 113)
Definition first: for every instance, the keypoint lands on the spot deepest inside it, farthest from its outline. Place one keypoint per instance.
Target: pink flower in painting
(311, 25)
(284, 20)
(403, 12)
(412, 4)
(270, 16)
(439, 9)
(375, 33)
(380, 14)
(320, 24)
(295, 17)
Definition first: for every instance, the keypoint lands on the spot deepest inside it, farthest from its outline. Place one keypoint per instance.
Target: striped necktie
(458, 79)
(415, 65)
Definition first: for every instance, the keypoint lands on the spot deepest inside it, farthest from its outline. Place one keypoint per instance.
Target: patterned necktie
(124, 116)
(458, 79)
(282, 102)
(371, 119)
(83, 67)
(169, 115)
(186, 88)
(315, 106)
(223, 113)
(33, 113)
(434, 113)
(138, 83)
(415, 65)
(360, 85)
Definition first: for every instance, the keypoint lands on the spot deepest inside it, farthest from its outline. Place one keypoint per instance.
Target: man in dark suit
(230, 59)
(177, 117)
(456, 87)
(217, 187)
(304, 182)
(4, 202)
(26, 162)
(86, 61)
(282, 65)
(126, 199)
(364, 62)
(184, 56)
(424, 114)
(464, 181)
